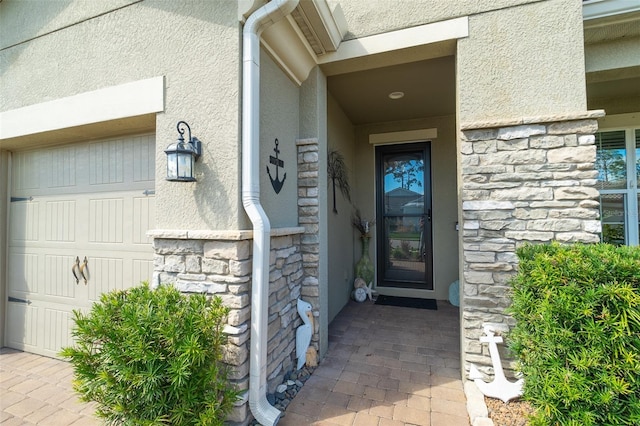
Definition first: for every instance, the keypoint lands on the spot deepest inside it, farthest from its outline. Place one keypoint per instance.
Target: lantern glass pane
(185, 165)
(172, 166)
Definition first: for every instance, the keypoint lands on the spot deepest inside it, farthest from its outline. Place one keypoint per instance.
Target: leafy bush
(153, 357)
(577, 334)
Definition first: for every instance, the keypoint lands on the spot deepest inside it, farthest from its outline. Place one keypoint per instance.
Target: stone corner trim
(572, 116)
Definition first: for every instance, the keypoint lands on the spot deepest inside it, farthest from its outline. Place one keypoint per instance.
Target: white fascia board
(110, 103)
(594, 9)
(409, 37)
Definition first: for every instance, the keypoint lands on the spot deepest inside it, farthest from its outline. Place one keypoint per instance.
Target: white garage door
(92, 200)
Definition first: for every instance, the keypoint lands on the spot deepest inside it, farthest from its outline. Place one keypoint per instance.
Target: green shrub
(577, 333)
(153, 357)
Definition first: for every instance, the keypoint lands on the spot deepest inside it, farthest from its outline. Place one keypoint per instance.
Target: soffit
(428, 85)
(612, 28)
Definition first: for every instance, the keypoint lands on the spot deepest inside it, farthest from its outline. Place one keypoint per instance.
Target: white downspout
(259, 20)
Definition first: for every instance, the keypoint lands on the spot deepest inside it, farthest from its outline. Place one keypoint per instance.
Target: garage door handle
(76, 270)
(84, 270)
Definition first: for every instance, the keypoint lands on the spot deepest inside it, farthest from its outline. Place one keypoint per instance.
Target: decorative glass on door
(404, 205)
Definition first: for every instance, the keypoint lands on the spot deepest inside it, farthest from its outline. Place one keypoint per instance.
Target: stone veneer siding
(308, 209)
(219, 263)
(531, 181)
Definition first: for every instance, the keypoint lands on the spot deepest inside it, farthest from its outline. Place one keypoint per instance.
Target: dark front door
(404, 249)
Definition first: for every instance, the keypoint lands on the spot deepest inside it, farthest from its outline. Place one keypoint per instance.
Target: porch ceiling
(428, 86)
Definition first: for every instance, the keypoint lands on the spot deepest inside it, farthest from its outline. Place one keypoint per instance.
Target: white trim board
(403, 137)
(111, 103)
(451, 29)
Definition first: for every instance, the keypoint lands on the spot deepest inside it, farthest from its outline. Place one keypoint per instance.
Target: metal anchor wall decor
(276, 183)
(500, 387)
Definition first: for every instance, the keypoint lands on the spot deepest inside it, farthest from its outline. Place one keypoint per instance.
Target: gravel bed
(513, 413)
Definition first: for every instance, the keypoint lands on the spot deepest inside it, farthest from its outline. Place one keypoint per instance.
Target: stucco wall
(194, 45)
(367, 17)
(522, 61)
(279, 119)
(51, 16)
(341, 137)
(443, 184)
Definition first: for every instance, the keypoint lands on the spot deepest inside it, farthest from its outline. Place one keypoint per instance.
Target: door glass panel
(406, 222)
(613, 218)
(403, 183)
(611, 160)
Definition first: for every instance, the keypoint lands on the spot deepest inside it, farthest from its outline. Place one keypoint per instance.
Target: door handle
(84, 270)
(75, 269)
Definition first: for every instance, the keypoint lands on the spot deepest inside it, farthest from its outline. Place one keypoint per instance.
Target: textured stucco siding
(522, 61)
(341, 137)
(195, 45)
(51, 16)
(368, 17)
(279, 118)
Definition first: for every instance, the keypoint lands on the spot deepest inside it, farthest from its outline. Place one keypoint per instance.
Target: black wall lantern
(182, 156)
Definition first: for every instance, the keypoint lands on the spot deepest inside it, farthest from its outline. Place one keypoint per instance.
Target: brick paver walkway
(386, 366)
(37, 390)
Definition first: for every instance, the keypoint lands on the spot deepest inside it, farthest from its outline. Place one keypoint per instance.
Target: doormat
(407, 302)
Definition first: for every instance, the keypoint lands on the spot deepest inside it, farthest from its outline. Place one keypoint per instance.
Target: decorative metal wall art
(276, 183)
(339, 175)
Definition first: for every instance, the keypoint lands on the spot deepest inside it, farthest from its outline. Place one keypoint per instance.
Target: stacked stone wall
(308, 210)
(528, 182)
(220, 264)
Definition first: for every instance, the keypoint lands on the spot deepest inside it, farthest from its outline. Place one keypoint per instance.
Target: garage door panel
(106, 218)
(62, 167)
(56, 329)
(60, 221)
(59, 281)
(144, 211)
(26, 221)
(24, 274)
(23, 333)
(27, 167)
(107, 274)
(143, 158)
(142, 270)
(106, 161)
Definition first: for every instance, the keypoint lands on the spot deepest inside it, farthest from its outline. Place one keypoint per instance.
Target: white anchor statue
(500, 387)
